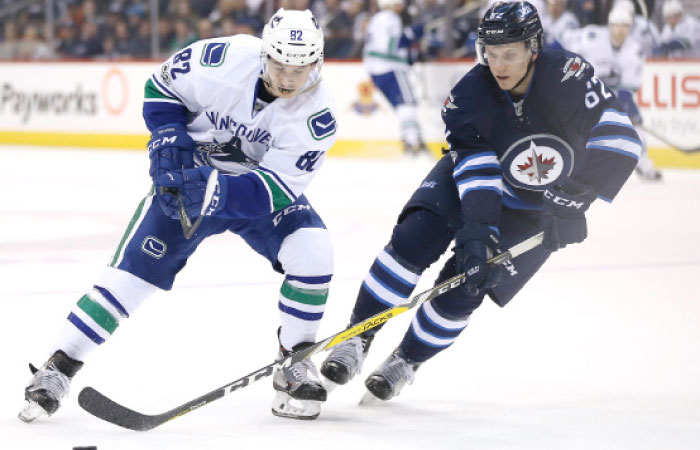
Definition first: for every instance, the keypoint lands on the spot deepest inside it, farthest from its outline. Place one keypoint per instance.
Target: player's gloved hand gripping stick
(100, 406)
(201, 199)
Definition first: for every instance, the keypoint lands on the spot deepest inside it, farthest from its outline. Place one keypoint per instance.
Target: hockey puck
(89, 447)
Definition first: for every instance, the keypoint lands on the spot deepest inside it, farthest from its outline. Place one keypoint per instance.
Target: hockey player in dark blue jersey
(534, 138)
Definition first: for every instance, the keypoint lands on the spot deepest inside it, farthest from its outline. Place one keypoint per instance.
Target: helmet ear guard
(506, 23)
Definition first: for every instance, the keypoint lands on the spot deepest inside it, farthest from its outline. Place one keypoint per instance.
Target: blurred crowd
(122, 29)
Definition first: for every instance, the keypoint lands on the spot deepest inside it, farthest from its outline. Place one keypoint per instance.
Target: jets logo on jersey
(449, 103)
(537, 161)
(322, 124)
(574, 67)
(213, 54)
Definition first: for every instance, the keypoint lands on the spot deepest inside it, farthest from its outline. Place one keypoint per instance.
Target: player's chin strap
(527, 72)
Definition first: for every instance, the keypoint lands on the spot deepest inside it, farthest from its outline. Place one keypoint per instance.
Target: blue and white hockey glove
(563, 217)
(190, 185)
(476, 243)
(169, 149)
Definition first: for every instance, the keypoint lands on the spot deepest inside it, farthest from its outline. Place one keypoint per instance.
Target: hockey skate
(345, 361)
(387, 381)
(49, 385)
(299, 391)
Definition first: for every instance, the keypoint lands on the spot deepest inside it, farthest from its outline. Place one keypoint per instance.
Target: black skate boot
(299, 391)
(345, 360)
(48, 386)
(387, 381)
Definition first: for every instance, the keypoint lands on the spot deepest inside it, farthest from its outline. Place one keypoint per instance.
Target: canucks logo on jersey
(537, 161)
(322, 124)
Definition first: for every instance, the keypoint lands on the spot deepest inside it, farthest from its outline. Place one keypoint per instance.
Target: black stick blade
(100, 406)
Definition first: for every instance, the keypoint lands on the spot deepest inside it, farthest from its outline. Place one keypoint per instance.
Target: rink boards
(98, 104)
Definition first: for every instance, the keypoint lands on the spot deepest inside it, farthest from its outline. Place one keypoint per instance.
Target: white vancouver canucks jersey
(284, 143)
(381, 52)
(618, 68)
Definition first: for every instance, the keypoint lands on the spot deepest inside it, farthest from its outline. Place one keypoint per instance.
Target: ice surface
(600, 351)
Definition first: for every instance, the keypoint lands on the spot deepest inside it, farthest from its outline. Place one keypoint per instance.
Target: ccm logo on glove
(565, 202)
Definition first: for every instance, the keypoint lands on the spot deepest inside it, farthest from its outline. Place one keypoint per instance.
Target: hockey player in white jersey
(557, 20)
(386, 59)
(619, 62)
(258, 111)
(680, 36)
(643, 31)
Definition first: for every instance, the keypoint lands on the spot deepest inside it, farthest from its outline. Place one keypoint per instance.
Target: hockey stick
(669, 144)
(188, 227)
(104, 408)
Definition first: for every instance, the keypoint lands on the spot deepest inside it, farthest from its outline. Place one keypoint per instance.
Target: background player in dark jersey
(534, 138)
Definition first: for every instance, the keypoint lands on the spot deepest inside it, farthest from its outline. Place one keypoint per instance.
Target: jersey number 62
(592, 98)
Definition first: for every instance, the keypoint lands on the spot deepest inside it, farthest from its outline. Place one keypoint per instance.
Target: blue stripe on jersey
(279, 181)
(390, 280)
(310, 280)
(111, 299)
(385, 281)
(86, 330)
(623, 145)
(376, 296)
(299, 314)
(395, 275)
(435, 330)
(614, 129)
(476, 161)
(613, 123)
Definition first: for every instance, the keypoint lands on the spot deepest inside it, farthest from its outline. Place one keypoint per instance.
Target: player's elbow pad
(247, 198)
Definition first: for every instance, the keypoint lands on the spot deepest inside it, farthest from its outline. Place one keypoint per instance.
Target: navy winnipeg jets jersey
(506, 152)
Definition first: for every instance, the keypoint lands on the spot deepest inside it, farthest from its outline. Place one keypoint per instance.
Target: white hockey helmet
(293, 38)
(383, 4)
(620, 16)
(671, 8)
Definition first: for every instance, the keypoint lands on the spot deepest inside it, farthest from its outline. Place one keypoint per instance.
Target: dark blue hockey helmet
(508, 22)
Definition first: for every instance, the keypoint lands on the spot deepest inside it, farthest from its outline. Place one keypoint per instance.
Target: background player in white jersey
(557, 20)
(680, 36)
(386, 59)
(257, 111)
(619, 62)
(643, 30)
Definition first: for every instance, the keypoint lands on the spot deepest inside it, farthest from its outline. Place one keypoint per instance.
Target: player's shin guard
(97, 314)
(417, 241)
(390, 282)
(437, 323)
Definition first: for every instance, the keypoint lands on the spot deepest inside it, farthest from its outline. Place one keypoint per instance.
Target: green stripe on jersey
(279, 198)
(98, 313)
(151, 91)
(130, 227)
(305, 296)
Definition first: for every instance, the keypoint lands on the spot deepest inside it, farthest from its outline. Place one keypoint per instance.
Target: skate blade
(31, 411)
(291, 408)
(369, 399)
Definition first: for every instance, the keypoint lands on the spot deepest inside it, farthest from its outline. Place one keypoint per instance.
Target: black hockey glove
(476, 243)
(169, 149)
(563, 217)
(190, 185)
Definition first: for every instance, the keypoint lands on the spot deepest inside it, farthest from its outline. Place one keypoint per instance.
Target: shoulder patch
(574, 67)
(322, 124)
(213, 54)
